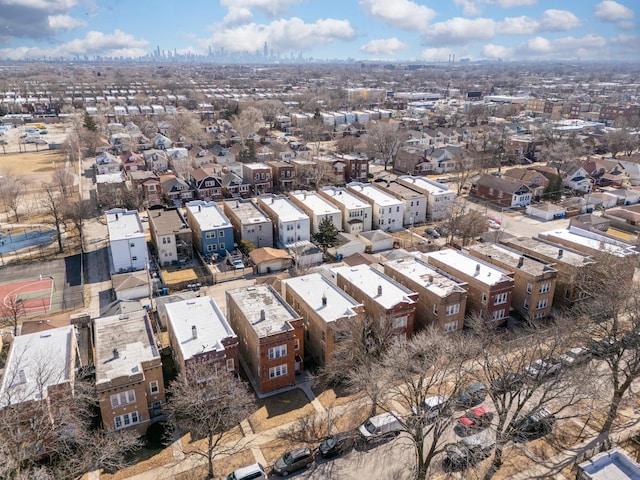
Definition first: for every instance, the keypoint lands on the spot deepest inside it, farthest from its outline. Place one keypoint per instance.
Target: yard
(280, 409)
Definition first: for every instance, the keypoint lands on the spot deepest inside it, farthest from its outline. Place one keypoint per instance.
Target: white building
(414, 202)
(127, 242)
(357, 215)
(318, 208)
(440, 199)
(388, 211)
(291, 224)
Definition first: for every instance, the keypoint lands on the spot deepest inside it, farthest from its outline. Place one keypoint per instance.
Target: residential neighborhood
(248, 233)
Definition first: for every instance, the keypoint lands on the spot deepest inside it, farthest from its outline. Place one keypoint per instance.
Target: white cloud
(273, 8)
(458, 30)
(440, 54)
(558, 20)
(473, 8)
(626, 39)
(403, 14)
(51, 5)
(589, 46)
(116, 44)
(519, 26)
(283, 35)
(65, 22)
(610, 11)
(384, 46)
(237, 15)
(497, 51)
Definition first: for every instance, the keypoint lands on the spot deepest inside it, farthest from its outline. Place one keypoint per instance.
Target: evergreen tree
(89, 123)
(327, 234)
(553, 191)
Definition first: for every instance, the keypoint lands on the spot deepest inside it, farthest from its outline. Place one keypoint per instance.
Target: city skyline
(402, 30)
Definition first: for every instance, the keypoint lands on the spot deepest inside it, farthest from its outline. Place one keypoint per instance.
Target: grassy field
(37, 166)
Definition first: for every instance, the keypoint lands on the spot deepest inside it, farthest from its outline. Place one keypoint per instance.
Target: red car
(477, 417)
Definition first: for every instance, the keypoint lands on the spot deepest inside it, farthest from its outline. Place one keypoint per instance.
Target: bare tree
(77, 211)
(210, 404)
(53, 205)
(12, 189)
(11, 310)
(612, 303)
(384, 140)
(466, 168)
(467, 224)
(247, 122)
(63, 179)
(620, 140)
(186, 127)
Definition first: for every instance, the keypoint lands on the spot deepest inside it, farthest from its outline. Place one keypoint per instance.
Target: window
(435, 309)
(134, 258)
(133, 245)
(525, 304)
(279, 371)
(400, 322)
(542, 304)
(453, 309)
(123, 398)
(484, 298)
(500, 298)
(497, 314)
(296, 344)
(210, 234)
(277, 352)
(222, 246)
(450, 327)
(221, 234)
(153, 387)
(529, 287)
(231, 365)
(545, 287)
(126, 420)
(211, 248)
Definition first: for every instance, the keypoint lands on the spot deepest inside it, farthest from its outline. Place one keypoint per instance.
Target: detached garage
(546, 211)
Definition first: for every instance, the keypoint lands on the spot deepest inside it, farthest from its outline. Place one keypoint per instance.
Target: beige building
(129, 379)
(442, 298)
(325, 310)
(534, 280)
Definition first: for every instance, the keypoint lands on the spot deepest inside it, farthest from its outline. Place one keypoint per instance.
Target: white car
(543, 368)
(575, 356)
(493, 224)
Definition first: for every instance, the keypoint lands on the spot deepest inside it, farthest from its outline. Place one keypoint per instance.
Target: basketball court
(32, 296)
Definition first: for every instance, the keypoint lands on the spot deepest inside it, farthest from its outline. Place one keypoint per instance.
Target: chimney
(324, 300)
(116, 354)
(430, 279)
(199, 208)
(477, 270)
(379, 290)
(520, 262)
(262, 316)
(194, 332)
(116, 216)
(237, 204)
(560, 253)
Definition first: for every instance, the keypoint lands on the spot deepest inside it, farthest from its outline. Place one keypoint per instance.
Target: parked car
(543, 368)
(293, 460)
(476, 418)
(380, 427)
(534, 425)
(237, 264)
(493, 224)
(474, 394)
(469, 451)
(575, 356)
(507, 383)
(337, 444)
(250, 472)
(603, 348)
(432, 408)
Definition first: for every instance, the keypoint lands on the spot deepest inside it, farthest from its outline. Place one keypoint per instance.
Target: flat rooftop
(369, 280)
(168, 221)
(36, 359)
(247, 211)
(549, 250)
(346, 198)
(284, 208)
(399, 189)
(256, 166)
(123, 224)
(611, 465)
(374, 194)
(208, 215)
(255, 299)
(468, 265)
(131, 335)
(316, 203)
(313, 287)
(425, 185)
(204, 314)
(429, 277)
(592, 244)
(511, 258)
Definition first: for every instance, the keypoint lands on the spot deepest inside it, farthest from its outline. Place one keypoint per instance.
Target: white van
(251, 472)
(380, 427)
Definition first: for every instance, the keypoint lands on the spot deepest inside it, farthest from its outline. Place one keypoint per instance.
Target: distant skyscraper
(266, 50)
(158, 51)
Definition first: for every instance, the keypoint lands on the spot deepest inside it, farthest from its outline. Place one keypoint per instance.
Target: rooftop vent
(116, 354)
(262, 315)
(477, 270)
(324, 300)
(379, 290)
(194, 332)
(520, 262)
(560, 253)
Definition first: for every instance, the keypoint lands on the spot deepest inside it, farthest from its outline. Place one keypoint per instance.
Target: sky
(388, 30)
